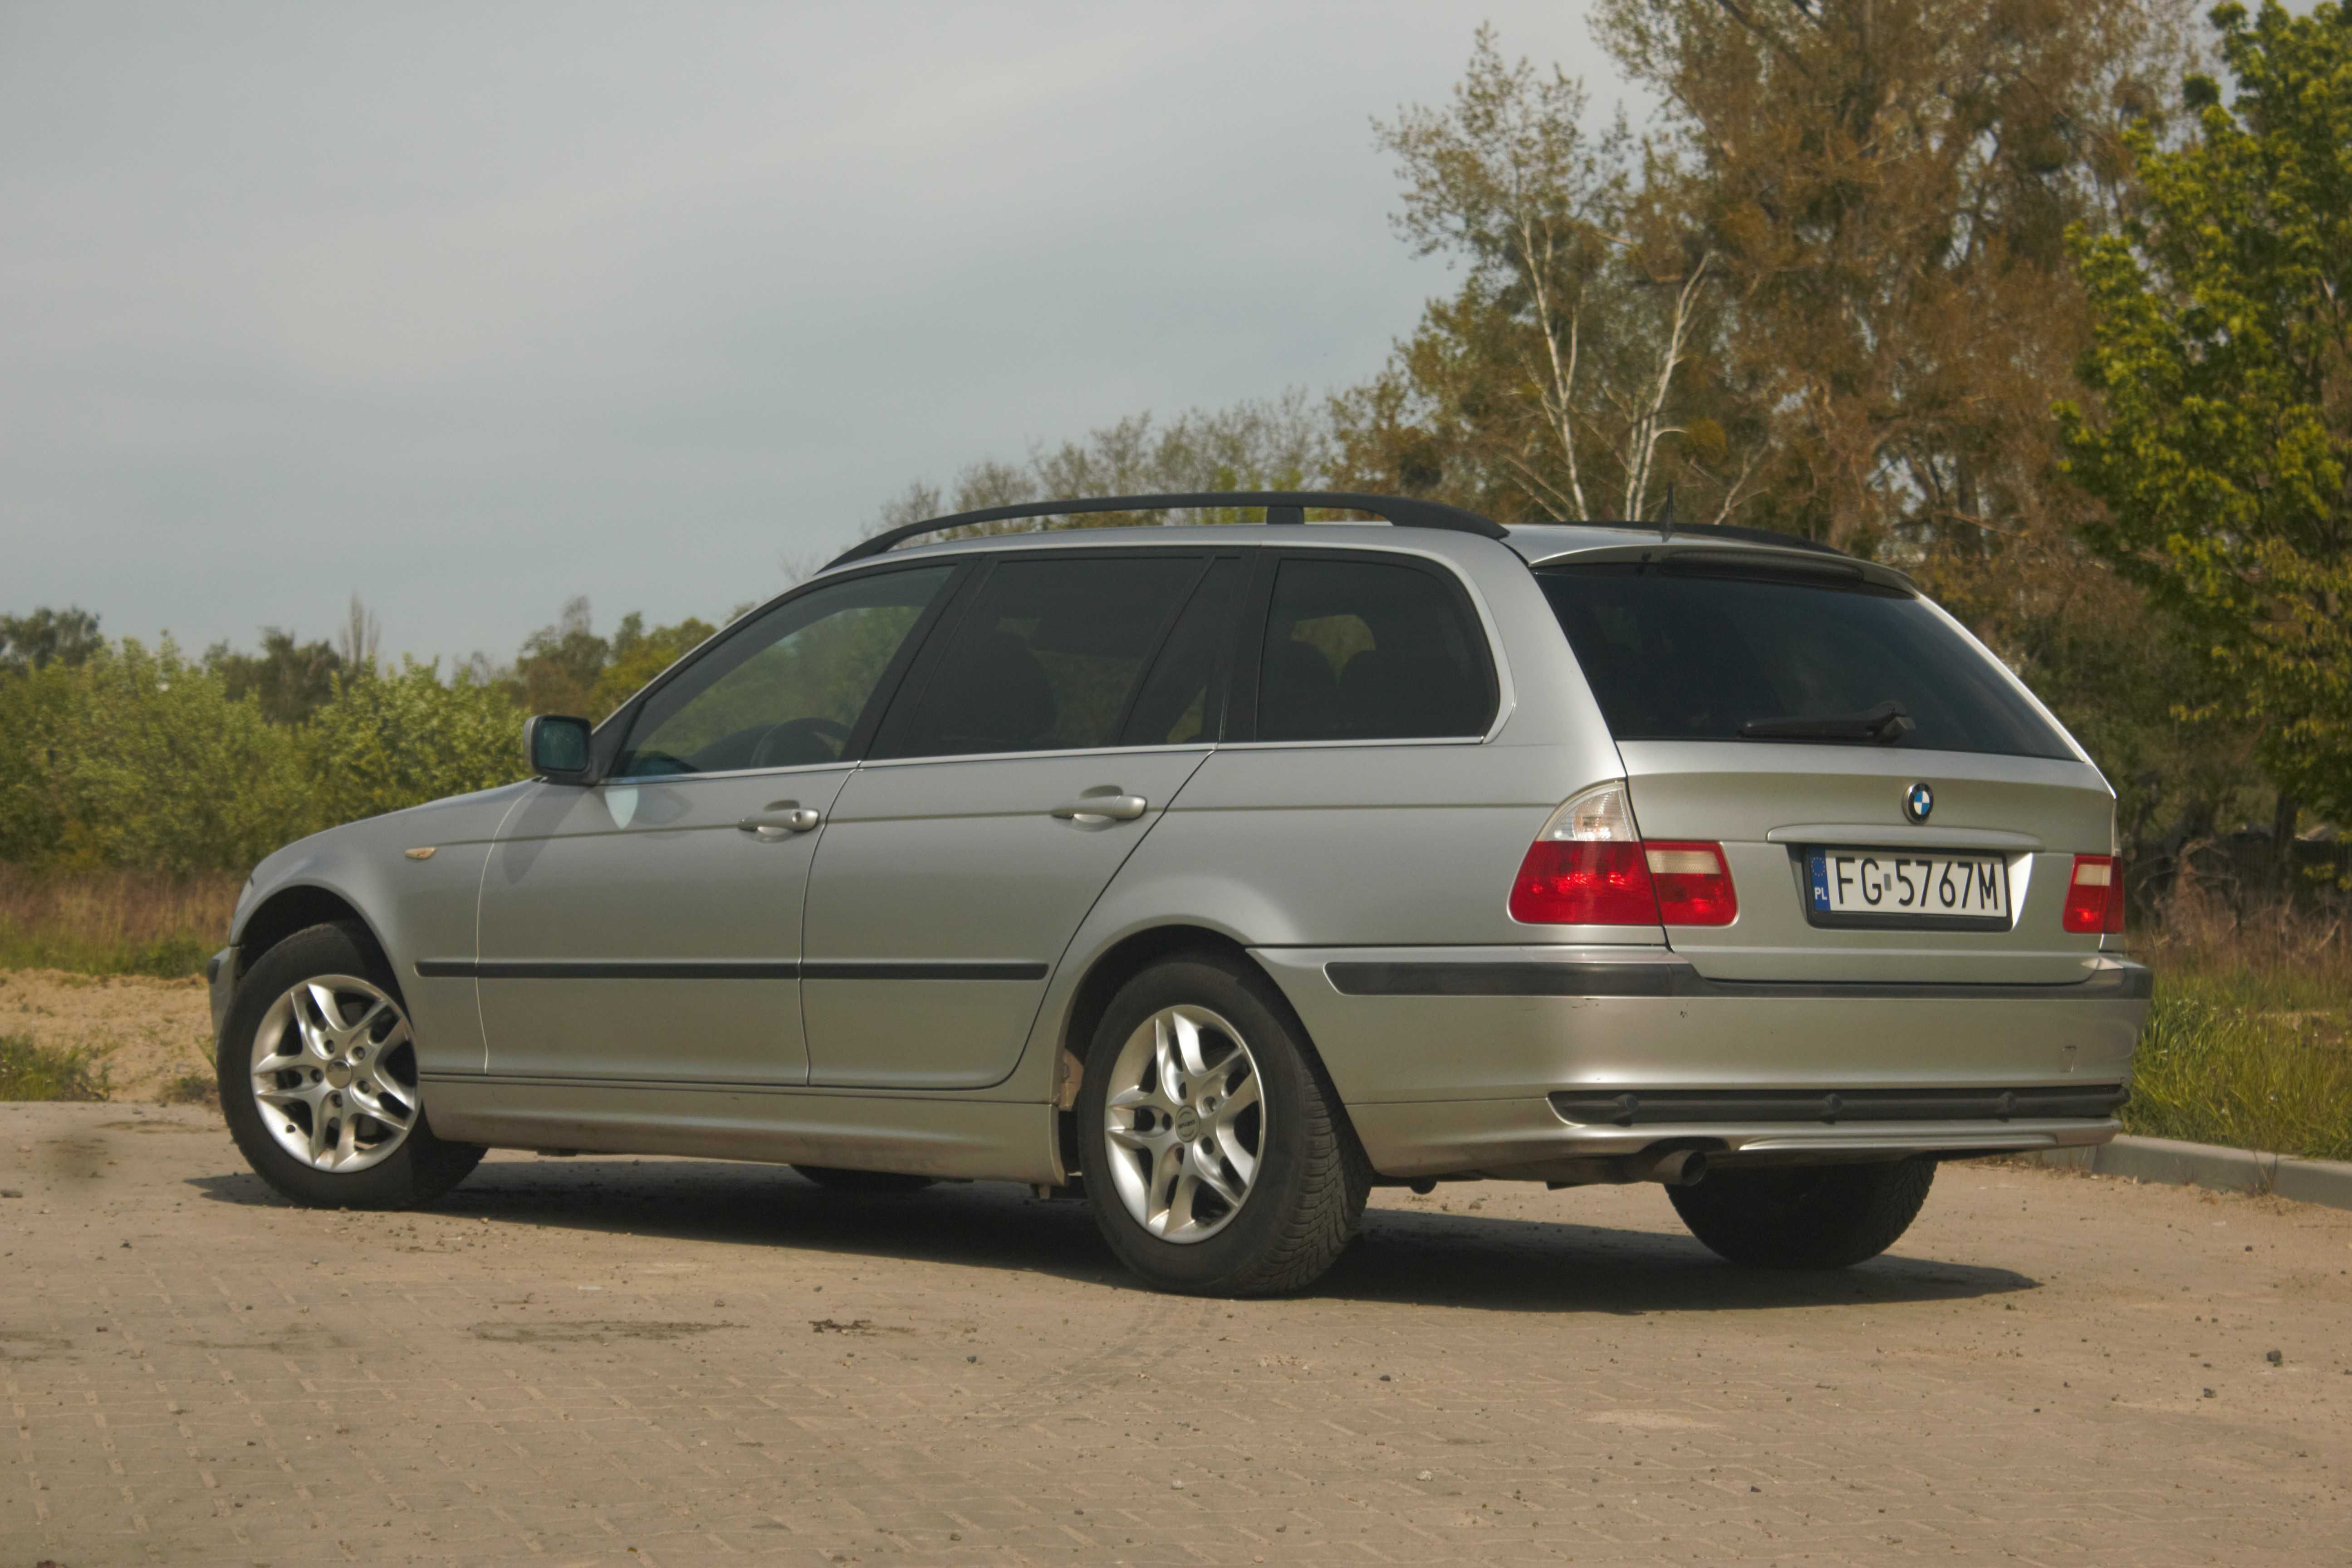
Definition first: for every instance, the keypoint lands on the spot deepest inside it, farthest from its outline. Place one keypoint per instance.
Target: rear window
(1682, 655)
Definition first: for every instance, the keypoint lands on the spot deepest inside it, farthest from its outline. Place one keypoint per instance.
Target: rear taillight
(2094, 895)
(1693, 884)
(1589, 866)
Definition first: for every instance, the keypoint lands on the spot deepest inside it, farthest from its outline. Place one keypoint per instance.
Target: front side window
(786, 690)
(1363, 650)
(1715, 654)
(1046, 657)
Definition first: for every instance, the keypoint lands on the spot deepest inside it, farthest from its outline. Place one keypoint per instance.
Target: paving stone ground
(678, 1362)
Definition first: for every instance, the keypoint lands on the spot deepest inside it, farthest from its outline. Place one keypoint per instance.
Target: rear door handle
(1106, 804)
(780, 817)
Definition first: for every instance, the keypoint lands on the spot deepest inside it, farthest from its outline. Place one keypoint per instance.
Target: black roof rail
(1718, 530)
(1281, 507)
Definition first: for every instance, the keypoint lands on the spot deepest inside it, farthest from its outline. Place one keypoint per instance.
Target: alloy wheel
(1184, 1122)
(334, 1073)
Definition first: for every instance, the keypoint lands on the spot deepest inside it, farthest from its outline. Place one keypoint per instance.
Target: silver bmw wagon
(1218, 874)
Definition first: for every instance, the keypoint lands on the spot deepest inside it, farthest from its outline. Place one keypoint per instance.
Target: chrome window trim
(936, 759)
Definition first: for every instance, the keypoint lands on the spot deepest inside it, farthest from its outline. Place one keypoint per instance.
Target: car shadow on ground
(1422, 1258)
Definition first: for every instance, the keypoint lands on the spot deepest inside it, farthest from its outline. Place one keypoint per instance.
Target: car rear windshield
(1722, 653)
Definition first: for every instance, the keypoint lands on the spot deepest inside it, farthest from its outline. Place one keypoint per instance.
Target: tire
(386, 1167)
(870, 1183)
(1303, 1196)
(1805, 1217)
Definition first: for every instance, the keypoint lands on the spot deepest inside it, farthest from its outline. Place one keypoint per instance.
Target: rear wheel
(1805, 1217)
(874, 1183)
(318, 1082)
(1217, 1161)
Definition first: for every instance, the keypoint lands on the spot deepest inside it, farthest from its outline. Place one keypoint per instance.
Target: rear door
(1045, 727)
(1926, 841)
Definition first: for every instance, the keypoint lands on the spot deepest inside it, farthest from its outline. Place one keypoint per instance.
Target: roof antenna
(1666, 515)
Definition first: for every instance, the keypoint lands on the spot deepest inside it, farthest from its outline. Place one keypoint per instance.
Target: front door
(1042, 736)
(649, 927)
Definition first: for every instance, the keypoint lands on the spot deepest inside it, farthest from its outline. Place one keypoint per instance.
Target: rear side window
(1688, 656)
(1047, 657)
(1365, 651)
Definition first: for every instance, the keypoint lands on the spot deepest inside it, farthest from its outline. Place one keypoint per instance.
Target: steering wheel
(764, 750)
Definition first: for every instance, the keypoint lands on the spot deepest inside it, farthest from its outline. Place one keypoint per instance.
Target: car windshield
(1719, 653)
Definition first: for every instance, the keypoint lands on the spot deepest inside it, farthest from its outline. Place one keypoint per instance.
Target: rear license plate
(1900, 888)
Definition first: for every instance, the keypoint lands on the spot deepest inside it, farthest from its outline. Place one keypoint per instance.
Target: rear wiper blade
(1886, 723)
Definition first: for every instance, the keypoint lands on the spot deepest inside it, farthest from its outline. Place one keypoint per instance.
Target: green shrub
(386, 741)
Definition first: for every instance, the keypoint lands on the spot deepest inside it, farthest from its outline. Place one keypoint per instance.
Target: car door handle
(1109, 805)
(782, 817)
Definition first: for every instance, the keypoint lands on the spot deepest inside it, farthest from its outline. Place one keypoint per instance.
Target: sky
(470, 308)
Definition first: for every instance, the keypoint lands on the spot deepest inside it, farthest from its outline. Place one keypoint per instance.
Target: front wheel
(1805, 1217)
(318, 1082)
(1217, 1159)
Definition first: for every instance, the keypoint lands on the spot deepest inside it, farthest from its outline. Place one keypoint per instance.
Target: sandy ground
(150, 1031)
(676, 1363)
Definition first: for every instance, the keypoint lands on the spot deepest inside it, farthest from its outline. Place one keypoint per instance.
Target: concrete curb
(2179, 1164)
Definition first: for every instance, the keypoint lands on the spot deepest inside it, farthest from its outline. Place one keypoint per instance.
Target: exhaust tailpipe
(1673, 1167)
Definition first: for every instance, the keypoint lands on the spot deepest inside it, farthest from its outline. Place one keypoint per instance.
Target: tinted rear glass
(1680, 656)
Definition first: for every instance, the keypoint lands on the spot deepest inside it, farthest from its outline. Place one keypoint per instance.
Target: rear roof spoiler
(1281, 507)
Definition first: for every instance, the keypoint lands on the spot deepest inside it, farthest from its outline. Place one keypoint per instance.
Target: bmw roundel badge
(1918, 802)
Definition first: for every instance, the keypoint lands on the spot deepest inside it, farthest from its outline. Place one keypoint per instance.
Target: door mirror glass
(557, 745)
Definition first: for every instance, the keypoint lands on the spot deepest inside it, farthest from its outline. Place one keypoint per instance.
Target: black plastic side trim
(889, 969)
(1633, 1108)
(1505, 979)
(718, 969)
(1518, 978)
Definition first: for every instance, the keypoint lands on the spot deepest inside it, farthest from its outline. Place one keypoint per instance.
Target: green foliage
(138, 758)
(637, 656)
(2221, 442)
(30, 1072)
(388, 740)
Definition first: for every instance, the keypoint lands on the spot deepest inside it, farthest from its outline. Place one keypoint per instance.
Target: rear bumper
(1512, 1060)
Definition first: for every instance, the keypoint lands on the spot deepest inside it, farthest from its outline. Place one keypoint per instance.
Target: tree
(1558, 382)
(560, 665)
(2221, 359)
(1883, 186)
(32, 641)
(289, 679)
(1282, 443)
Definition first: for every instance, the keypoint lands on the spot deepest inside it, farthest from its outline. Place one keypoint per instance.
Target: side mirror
(557, 745)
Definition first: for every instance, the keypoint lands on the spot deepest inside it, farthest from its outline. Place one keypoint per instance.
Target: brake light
(1589, 866)
(2094, 895)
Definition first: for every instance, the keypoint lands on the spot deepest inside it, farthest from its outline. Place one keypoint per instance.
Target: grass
(28, 1071)
(2249, 1044)
(112, 923)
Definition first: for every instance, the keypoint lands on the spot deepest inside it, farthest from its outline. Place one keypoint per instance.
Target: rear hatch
(1892, 804)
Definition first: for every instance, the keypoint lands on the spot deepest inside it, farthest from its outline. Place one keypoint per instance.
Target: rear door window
(1699, 655)
(1369, 650)
(1047, 657)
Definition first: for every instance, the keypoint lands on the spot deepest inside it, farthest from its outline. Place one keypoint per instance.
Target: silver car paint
(1304, 855)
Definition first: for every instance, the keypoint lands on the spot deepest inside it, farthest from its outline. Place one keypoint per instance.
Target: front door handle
(1104, 803)
(780, 817)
